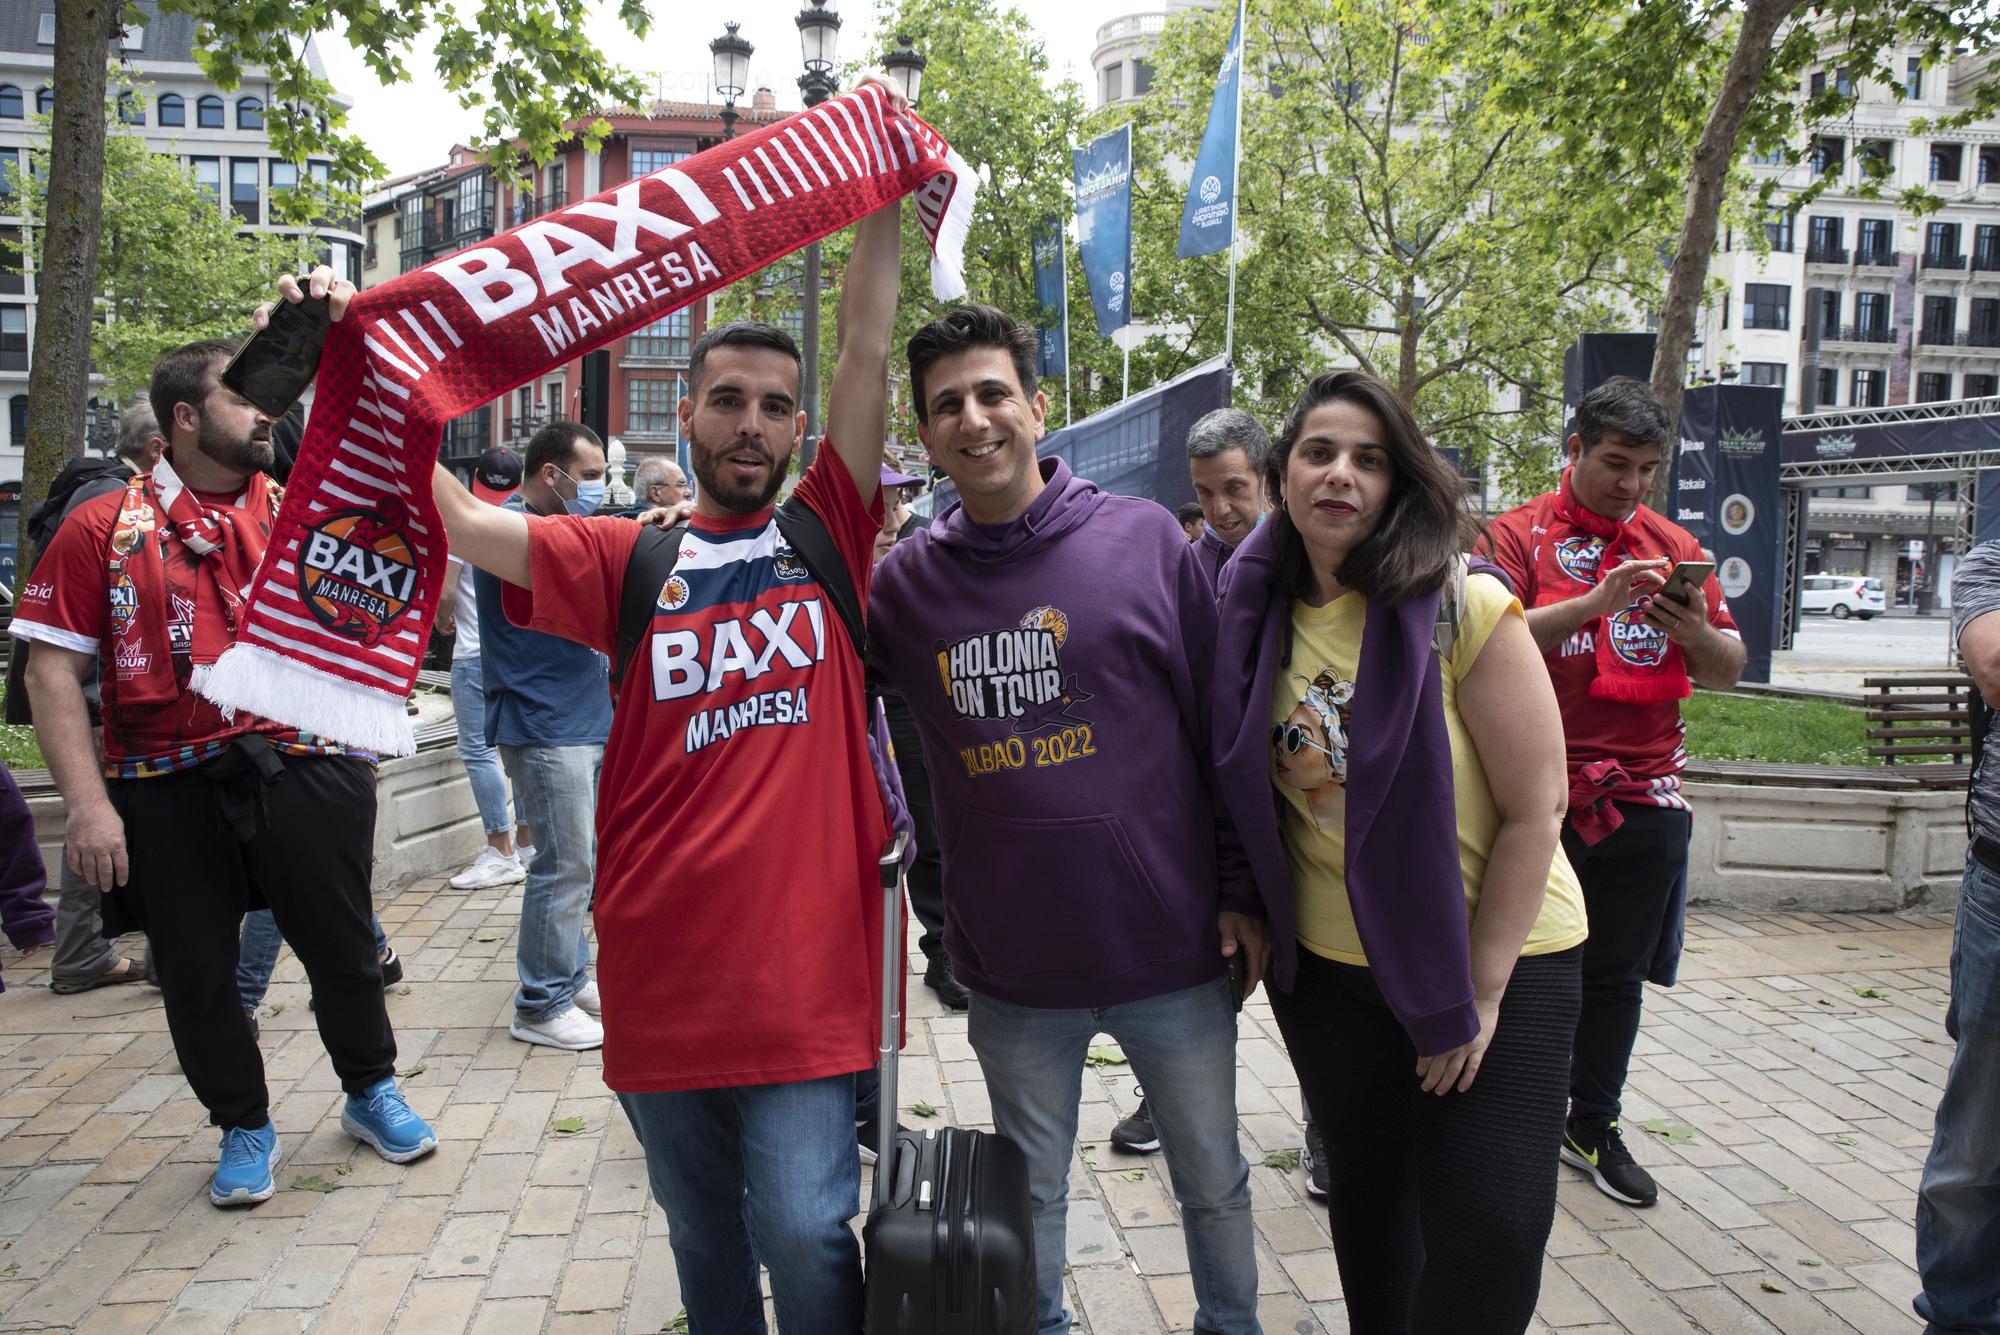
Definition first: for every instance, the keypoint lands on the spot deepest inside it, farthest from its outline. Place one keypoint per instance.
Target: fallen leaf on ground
(1282, 1160)
(1769, 1287)
(924, 1109)
(1105, 1057)
(314, 1183)
(486, 936)
(1134, 1175)
(410, 1072)
(1845, 1140)
(277, 1008)
(567, 1126)
(343, 1170)
(1807, 1260)
(1674, 1133)
(1872, 993)
(679, 1323)
(1844, 946)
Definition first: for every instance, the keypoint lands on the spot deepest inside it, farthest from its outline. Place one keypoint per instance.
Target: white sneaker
(571, 1030)
(491, 868)
(587, 1002)
(524, 854)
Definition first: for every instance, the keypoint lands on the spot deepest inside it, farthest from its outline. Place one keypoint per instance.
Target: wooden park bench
(1920, 716)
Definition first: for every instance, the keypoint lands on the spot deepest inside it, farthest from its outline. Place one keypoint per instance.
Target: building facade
(178, 111)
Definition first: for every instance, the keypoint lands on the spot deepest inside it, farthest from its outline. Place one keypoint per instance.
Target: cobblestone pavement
(1790, 1081)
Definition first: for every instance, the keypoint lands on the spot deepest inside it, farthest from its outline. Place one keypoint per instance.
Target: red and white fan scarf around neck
(336, 621)
(1636, 662)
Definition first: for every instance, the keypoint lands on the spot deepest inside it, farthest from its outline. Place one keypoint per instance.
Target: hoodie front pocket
(1057, 896)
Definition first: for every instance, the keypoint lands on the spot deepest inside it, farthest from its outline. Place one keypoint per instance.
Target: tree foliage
(172, 267)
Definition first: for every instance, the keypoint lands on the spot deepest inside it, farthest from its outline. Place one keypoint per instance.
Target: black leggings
(1440, 1206)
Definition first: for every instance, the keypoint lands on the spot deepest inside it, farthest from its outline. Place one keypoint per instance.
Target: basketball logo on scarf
(357, 572)
(1635, 639)
(1580, 557)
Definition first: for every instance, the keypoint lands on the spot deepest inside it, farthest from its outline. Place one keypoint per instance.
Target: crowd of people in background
(1316, 731)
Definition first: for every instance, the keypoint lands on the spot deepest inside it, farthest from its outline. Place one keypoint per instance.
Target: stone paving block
(512, 1316)
(148, 1286)
(1717, 1311)
(1892, 1281)
(1788, 1309)
(1868, 1313)
(1563, 1301)
(438, 1306)
(1314, 1274)
(64, 1297)
(593, 1286)
(1791, 1260)
(124, 1320)
(306, 1277)
(1821, 1233)
(494, 1182)
(62, 1226)
(548, 1210)
(1615, 1286)
(1659, 1262)
(405, 1227)
(132, 1161)
(528, 1268)
(467, 1245)
(1092, 1240)
(1116, 1302)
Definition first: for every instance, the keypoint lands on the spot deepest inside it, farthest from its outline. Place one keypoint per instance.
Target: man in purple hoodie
(1226, 455)
(1054, 644)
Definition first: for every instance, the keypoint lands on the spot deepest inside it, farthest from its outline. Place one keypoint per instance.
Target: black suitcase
(950, 1238)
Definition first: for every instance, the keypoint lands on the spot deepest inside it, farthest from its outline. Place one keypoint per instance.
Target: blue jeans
(555, 788)
(1958, 1202)
(1182, 1046)
(482, 762)
(758, 1174)
(257, 954)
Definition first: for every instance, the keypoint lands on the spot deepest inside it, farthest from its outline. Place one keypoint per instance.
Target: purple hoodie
(1213, 553)
(26, 917)
(1058, 670)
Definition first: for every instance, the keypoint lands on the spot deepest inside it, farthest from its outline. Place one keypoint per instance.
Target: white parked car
(1842, 596)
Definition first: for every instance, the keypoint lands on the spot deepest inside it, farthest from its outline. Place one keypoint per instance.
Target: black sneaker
(865, 1134)
(1135, 1135)
(938, 978)
(1315, 1162)
(1600, 1151)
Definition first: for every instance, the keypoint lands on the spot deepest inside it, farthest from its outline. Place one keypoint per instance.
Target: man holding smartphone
(1591, 564)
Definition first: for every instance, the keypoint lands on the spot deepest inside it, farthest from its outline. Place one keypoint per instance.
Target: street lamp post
(906, 67)
(732, 73)
(819, 31)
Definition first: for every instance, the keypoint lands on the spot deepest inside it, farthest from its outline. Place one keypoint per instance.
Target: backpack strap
(807, 534)
(658, 551)
(653, 559)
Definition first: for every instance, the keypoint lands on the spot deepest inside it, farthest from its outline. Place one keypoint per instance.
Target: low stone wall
(1767, 846)
(425, 821)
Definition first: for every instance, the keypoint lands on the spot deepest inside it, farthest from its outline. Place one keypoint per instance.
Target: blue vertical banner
(1104, 225)
(1052, 295)
(1726, 492)
(1208, 219)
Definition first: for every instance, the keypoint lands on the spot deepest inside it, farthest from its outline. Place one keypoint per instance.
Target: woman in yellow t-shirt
(1392, 755)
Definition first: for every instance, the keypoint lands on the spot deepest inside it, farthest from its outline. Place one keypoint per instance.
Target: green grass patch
(18, 749)
(1779, 731)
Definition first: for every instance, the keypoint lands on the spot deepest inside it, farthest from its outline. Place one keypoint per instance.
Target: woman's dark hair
(1424, 526)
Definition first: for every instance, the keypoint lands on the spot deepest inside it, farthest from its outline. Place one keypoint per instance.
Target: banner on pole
(1726, 493)
(1208, 218)
(1103, 172)
(1053, 358)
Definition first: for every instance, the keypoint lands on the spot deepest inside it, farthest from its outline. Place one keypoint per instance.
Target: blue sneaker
(381, 1118)
(243, 1177)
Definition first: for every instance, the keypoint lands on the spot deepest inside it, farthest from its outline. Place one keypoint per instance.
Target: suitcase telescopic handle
(892, 1012)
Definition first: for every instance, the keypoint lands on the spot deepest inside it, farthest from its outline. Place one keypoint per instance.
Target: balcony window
(1823, 235)
(652, 406)
(1778, 231)
(13, 106)
(1878, 156)
(1989, 165)
(1984, 330)
(1870, 389)
(1947, 162)
(1767, 306)
(208, 112)
(1829, 154)
(1940, 319)
(245, 193)
(665, 338)
(1982, 386)
(1913, 78)
(17, 418)
(13, 338)
(1827, 388)
(1829, 314)
(13, 282)
(1941, 246)
(172, 109)
(1932, 387)
(1876, 238)
(1986, 246)
(1764, 373)
(1871, 316)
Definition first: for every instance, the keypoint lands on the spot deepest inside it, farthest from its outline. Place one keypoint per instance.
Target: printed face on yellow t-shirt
(1309, 749)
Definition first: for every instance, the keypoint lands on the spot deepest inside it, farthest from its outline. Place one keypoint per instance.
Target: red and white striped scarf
(336, 622)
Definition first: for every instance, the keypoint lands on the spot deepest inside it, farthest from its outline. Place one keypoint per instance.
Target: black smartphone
(1239, 975)
(1685, 578)
(275, 364)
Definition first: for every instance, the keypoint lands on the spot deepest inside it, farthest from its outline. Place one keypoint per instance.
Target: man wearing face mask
(548, 710)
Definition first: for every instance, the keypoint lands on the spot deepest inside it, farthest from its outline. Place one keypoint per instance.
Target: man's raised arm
(857, 407)
(485, 536)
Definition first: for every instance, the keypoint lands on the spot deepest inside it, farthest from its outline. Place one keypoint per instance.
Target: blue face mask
(589, 496)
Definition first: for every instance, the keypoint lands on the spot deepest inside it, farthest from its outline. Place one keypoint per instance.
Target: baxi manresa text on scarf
(337, 616)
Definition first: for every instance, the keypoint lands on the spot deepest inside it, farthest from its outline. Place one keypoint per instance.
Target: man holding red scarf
(1589, 561)
(228, 812)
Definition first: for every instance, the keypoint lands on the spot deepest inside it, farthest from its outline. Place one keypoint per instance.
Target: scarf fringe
(1656, 686)
(249, 678)
(948, 247)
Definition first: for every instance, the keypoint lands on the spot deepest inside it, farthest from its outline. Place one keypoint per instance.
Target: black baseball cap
(497, 476)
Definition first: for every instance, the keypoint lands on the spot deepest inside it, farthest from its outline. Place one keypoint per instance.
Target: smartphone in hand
(1239, 975)
(1685, 578)
(276, 364)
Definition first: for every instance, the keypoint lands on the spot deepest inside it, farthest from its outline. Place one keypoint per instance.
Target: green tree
(529, 64)
(1592, 88)
(171, 267)
(1395, 214)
